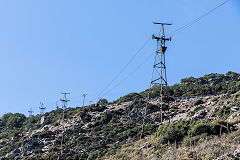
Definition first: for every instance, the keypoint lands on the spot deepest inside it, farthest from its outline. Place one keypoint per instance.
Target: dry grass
(233, 122)
(210, 149)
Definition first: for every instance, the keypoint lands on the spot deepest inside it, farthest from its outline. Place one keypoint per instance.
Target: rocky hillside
(200, 121)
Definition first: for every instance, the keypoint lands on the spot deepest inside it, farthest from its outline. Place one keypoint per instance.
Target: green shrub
(203, 128)
(13, 120)
(97, 108)
(199, 138)
(38, 151)
(236, 104)
(198, 102)
(129, 97)
(68, 132)
(102, 102)
(173, 132)
(44, 134)
(82, 139)
(211, 84)
(232, 74)
(85, 117)
(133, 133)
(224, 112)
(201, 131)
(94, 155)
(104, 119)
(4, 135)
(198, 108)
(54, 149)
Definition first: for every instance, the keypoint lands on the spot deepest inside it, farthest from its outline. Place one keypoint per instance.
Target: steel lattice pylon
(42, 108)
(159, 74)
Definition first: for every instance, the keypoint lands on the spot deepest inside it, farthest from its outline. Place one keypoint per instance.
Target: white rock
(237, 152)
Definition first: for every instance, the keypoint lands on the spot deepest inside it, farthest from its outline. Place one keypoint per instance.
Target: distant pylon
(42, 108)
(64, 100)
(64, 106)
(84, 96)
(57, 107)
(30, 112)
(159, 74)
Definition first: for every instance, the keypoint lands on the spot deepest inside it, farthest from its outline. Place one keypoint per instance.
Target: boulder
(225, 156)
(27, 153)
(147, 120)
(152, 110)
(200, 114)
(14, 153)
(147, 145)
(234, 116)
(133, 116)
(234, 109)
(18, 157)
(237, 152)
(32, 143)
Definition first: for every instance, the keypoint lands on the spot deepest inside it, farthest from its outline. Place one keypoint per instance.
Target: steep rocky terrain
(200, 121)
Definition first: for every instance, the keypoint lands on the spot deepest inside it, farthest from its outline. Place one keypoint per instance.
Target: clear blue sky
(78, 46)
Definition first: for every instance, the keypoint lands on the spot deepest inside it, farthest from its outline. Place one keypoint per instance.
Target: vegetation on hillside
(99, 131)
(211, 84)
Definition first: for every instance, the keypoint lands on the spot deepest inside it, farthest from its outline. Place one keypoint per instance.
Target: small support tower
(64, 106)
(159, 74)
(57, 107)
(84, 96)
(64, 100)
(42, 108)
(30, 112)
